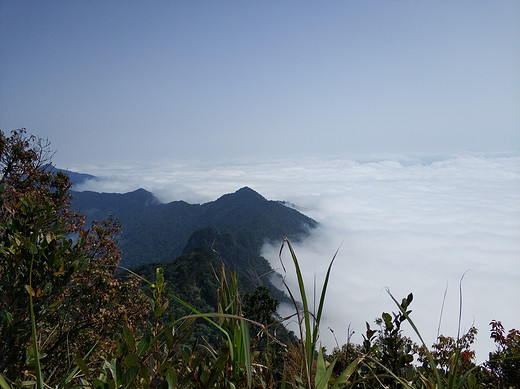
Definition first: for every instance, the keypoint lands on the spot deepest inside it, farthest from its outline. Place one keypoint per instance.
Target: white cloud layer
(409, 224)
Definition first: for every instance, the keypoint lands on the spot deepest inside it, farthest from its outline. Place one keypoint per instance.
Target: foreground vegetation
(68, 319)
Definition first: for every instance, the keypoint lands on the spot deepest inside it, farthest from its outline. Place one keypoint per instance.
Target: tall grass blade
(460, 304)
(3, 383)
(311, 334)
(433, 366)
(442, 311)
(245, 350)
(80, 365)
(344, 377)
(194, 310)
(37, 366)
(392, 374)
(322, 298)
(308, 346)
(323, 373)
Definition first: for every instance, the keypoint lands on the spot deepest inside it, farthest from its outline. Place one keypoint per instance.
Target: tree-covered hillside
(191, 277)
(156, 232)
(205, 251)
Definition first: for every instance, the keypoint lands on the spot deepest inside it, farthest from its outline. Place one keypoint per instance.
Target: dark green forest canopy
(231, 230)
(156, 232)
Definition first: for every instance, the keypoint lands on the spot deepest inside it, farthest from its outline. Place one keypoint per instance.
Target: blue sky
(110, 81)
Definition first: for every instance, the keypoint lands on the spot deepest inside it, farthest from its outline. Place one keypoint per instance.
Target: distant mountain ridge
(157, 232)
(75, 177)
(190, 241)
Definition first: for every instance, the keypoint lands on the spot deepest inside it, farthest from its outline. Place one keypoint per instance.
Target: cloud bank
(408, 224)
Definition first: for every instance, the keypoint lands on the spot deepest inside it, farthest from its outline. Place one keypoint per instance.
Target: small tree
(447, 347)
(260, 306)
(53, 273)
(36, 255)
(390, 353)
(504, 363)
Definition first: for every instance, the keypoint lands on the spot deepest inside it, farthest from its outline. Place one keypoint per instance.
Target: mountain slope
(75, 178)
(156, 232)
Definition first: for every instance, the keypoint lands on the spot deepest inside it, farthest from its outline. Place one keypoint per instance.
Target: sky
(108, 81)
(395, 124)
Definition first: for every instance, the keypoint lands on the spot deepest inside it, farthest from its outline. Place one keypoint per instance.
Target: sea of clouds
(409, 224)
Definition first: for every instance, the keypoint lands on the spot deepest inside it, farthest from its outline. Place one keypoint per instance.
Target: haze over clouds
(395, 124)
(409, 224)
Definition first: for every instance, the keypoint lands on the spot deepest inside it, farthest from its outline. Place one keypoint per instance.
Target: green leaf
(347, 373)
(388, 320)
(169, 337)
(114, 371)
(171, 378)
(159, 278)
(157, 309)
(7, 317)
(217, 369)
(143, 345)
(3, 383)
(129, 338)
(205, 375)
(82, 365)
(323, 373)
(17, 240)
(55, 303)
(98, 384)
(30, 290)
(132, 360)
(246, 349)
(129, 376)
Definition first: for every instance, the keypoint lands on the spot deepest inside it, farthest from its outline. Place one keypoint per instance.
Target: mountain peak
(141, 192)
(247, 191)
(242, 195)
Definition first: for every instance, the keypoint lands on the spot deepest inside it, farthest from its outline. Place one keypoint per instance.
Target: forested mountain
(194, 277)
(191, 277)
(156, 232)
(193, 239)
